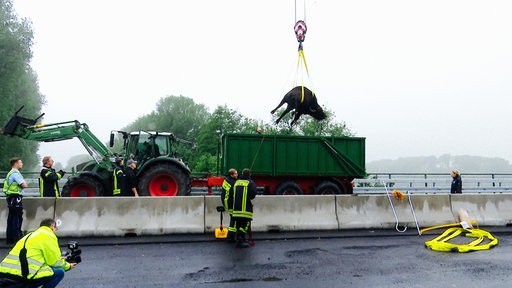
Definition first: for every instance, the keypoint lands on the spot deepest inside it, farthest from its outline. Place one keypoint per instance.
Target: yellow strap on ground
(445, 226)
(440, 243)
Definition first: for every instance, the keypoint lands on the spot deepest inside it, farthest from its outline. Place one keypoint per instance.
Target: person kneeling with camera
(35, 260)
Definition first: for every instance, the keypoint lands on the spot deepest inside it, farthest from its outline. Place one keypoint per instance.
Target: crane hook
(300, 31)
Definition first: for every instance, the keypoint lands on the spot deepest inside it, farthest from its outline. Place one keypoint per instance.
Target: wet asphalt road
(308, 259)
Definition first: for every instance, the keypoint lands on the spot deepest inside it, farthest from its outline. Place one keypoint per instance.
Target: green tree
(222, 120)
(177, 114)
(18, 84)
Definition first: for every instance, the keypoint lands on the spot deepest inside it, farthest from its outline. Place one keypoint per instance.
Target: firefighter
(36, 259)
(48, 179)
(119, 178)
(244, 190)
(226, 198)
(14, 184)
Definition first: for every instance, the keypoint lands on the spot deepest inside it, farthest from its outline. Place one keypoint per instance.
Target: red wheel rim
(163, 186)
(82, 190)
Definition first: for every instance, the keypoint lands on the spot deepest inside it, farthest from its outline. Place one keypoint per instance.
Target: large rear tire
(288, 188)
(164, 179)
(83, 186)
(327, 188)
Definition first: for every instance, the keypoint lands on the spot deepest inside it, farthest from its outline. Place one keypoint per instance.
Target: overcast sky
(416, 78)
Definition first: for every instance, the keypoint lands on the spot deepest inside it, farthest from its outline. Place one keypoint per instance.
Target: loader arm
(25, 128)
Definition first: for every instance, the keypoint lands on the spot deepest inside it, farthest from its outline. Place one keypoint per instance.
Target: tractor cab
(143, 145)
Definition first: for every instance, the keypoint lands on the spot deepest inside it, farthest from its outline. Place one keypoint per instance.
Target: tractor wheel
(164, 179)
(288, 188)
(327, 188)
(83, 186)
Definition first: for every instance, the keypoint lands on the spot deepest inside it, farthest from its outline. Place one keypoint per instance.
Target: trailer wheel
(327, 188)
(288, 188)
(164, 179)
(83, 186)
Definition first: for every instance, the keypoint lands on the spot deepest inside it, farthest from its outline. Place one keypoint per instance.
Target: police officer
(119, 178)
(226, 198)
(36, 259)
(48, 179)
(14, 186)
(244, 190)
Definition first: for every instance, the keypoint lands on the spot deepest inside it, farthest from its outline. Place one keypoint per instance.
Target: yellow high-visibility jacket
(14, 188)
(43, 253)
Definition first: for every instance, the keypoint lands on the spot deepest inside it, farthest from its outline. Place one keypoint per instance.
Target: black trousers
(14, 218)
(242, 226)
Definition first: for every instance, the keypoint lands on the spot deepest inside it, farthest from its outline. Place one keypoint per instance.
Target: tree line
(202, 129)
(18, 83)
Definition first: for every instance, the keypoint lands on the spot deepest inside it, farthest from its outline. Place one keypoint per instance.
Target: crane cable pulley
(300, 32)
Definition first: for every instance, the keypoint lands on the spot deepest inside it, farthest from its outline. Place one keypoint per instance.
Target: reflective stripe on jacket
(48, 182)
(243, 191)
(43, 253)
(117, 180)
(227, 194)
(14, 187)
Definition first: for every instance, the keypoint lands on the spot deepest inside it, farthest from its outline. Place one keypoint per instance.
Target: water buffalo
(293, 100)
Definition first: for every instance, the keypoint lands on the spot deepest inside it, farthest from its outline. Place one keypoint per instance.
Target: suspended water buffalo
(301, 103)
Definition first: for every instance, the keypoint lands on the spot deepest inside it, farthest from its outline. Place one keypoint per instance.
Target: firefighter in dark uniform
(244, 190)
(119, 178)
(131, 178)
(226, 198)
(48, 179)
(13, 189)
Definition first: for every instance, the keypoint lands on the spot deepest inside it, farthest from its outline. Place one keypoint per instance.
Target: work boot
(241, 242)
(244, 244)
(231, 236)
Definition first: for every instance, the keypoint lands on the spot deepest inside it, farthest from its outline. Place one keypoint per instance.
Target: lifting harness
(440, 243)
(300, 29)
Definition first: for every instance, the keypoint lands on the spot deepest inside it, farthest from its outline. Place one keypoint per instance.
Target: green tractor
(159, 172)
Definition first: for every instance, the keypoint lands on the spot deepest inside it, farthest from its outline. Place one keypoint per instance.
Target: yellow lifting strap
(300, 61)
(440, 243)
(446, 226)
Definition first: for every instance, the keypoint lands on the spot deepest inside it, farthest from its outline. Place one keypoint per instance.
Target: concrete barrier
(291, 213)
(375, 211)
(281, 213)
(119, 216)
(106, 216)
(487, 209)
(211, 216)
(34, 210)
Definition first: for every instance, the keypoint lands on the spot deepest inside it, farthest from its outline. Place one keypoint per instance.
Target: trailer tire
(288, 188)
(327, 188)
(164, 179)
(83, 186)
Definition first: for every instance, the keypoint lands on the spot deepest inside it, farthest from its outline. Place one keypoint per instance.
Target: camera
(73, 255)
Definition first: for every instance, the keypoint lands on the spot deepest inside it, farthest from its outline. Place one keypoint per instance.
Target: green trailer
(296, 164)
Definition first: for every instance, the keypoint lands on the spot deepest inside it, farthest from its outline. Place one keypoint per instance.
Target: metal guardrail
(433, 183)
(374, 184)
